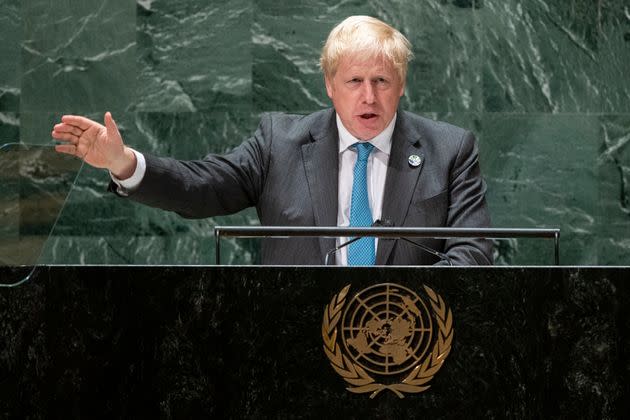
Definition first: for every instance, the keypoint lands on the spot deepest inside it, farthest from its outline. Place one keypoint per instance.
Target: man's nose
(369, 96)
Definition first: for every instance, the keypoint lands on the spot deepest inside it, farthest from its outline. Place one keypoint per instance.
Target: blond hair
(367, 36)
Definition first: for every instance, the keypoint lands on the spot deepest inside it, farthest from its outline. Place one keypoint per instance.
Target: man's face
(365, 94)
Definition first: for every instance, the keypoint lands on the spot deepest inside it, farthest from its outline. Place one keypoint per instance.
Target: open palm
(98, 145)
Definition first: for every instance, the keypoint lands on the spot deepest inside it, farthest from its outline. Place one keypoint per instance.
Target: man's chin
(367, 130)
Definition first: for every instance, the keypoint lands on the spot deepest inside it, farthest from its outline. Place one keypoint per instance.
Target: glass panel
(35, 182)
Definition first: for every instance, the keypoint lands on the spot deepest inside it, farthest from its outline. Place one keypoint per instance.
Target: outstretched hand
(99, 146)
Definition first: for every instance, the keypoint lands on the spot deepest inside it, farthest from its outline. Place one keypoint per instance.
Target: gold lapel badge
(386, 337)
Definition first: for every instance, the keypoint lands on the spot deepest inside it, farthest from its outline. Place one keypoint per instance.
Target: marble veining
(542, 84)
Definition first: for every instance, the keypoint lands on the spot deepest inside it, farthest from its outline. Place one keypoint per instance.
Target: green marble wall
(542, 83)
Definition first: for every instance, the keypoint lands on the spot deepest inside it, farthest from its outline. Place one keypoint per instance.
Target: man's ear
(329, 89)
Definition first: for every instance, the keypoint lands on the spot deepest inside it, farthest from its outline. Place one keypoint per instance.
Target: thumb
(112, 128)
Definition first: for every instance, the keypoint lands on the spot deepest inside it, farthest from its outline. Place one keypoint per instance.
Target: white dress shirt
(376, 173)
(131, 183)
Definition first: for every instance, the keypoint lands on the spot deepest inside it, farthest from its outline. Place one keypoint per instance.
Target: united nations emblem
(386, 337)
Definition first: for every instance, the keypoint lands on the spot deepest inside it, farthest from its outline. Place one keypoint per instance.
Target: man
(361, 161)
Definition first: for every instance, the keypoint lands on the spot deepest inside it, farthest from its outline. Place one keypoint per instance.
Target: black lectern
(247, 342)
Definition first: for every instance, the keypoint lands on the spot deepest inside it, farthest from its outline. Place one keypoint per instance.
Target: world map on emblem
(387, 329)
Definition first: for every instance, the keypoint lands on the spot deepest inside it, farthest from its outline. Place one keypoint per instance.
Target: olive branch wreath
(359, 380)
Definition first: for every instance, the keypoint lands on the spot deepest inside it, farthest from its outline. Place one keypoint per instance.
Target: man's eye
(354, 81)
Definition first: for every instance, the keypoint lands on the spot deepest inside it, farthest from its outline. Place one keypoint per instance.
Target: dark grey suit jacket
(289, 171)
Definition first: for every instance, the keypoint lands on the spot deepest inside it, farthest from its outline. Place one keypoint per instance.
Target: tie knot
(364, 148)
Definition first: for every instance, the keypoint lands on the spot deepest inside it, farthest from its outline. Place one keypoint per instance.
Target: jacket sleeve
(215, 185)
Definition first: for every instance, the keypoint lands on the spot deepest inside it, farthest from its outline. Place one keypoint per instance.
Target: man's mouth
(368, 116)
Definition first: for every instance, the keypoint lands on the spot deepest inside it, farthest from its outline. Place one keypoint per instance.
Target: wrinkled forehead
(365, 62)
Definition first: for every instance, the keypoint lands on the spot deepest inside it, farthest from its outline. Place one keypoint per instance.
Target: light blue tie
(361, 252)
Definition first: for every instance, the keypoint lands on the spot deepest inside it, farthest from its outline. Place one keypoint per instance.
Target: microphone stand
(440, 255)
(337, 248)
(388, 223)
(431, 251)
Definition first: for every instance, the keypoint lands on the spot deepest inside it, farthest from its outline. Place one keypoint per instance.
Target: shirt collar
(383, 141)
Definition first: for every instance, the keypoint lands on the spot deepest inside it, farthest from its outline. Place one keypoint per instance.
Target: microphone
(345, 244)
(383, 223)
(442, 256)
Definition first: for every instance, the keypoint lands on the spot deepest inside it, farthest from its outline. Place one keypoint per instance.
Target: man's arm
(213, 186)
(216, 185)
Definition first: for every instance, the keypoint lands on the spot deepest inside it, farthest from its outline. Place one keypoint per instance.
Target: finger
(67, 137)
(81, 122)
(66, 128)
(112, 128)
(69, 149)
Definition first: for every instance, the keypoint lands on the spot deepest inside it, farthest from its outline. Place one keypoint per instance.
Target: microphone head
(385, 222)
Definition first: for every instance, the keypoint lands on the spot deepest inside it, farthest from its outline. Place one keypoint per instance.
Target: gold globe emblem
(387, 330)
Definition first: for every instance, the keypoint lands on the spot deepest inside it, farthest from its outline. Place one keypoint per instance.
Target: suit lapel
(401, 181)
(321, 164)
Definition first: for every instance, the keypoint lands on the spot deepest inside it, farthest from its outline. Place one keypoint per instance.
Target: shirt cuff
(126, 186)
